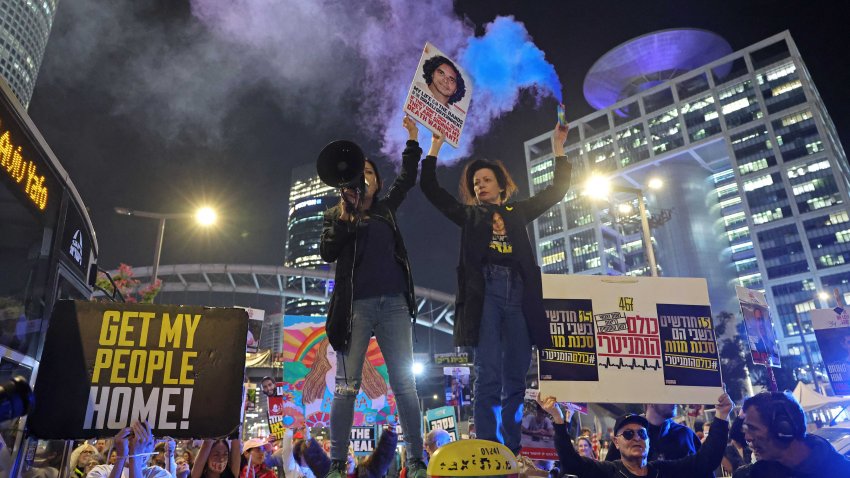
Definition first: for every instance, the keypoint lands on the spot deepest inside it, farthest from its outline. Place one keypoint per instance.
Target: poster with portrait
(309, 364)
(758, 322)
(285, 409)
(439, 94)
(832, 330)
(178, 367)
(458, 389)
(627, 340)
(537, 432)
(255, 329)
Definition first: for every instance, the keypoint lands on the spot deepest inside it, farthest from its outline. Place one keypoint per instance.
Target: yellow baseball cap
(473, 458)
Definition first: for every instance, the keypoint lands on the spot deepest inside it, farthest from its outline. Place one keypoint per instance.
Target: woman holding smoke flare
(499, 282)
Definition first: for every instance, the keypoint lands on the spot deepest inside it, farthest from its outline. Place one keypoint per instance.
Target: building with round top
(649, 60)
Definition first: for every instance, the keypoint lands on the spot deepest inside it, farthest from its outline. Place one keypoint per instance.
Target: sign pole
(808, 353)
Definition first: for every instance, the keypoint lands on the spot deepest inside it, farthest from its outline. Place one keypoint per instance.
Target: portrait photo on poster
(440, 94)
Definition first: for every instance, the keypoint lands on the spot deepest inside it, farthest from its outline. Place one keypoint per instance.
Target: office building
(24, 30)
(755, 180)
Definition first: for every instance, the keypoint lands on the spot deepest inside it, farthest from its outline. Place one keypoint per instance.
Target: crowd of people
(766, 439)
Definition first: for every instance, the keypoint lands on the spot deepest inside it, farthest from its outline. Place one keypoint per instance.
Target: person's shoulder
(678, 428)
(744, 471)
(155, 472)
(99, 471)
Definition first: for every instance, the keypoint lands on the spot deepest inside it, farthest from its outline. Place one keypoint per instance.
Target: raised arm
(439, 197)
(201, 459)
(536, 205)
(141, 446)
(710, 454)
(235, 456)
(409, 165)
(571, 462)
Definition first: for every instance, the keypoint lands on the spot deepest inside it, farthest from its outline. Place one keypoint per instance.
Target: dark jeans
(388, 318)
(502, 359)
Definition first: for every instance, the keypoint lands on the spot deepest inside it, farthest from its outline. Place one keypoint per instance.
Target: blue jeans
(388, 318)
(502, 359)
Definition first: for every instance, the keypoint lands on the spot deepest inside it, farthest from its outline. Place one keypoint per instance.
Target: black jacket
(673, 441)
(704, 462)
(476, 224)
(339, 244)
(823, 462)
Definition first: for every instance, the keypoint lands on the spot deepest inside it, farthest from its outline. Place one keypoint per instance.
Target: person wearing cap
(254, 452)
(632, 439)
(668, 440)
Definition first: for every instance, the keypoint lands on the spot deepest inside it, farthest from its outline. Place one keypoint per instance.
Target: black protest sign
(363, 440)
(566, 343)
(106, 365)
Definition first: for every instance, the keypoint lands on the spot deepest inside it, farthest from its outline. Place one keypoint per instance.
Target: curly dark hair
(431, 65)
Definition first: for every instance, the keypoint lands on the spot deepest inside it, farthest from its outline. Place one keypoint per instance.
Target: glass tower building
(309, 197)
(24, 29)
(755, 180)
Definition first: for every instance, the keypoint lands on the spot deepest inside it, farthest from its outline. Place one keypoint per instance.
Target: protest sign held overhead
(285, 409)
(177, 367)
(363, 439)
(439, 95)
(761, 337)
(627, 340)
(442, 418)
(537, 432)
(832, 330)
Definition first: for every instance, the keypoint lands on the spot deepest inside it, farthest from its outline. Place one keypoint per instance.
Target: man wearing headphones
(775, 429)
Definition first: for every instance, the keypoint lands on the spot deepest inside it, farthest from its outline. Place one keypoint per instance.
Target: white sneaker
(527, 468)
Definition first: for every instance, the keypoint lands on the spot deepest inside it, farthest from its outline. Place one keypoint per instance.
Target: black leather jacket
(339, 244)
(476, 231)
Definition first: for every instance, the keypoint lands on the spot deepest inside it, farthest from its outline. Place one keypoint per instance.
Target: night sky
(150, 107)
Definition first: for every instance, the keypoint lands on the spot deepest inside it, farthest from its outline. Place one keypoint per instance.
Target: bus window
(24, 254)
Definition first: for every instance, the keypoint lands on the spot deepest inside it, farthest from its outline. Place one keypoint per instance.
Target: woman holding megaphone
(373, 289)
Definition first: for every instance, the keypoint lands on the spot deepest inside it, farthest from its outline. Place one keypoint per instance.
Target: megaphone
(340, 165)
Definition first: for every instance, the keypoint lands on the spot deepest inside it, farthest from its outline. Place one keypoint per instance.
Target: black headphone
(782, 423)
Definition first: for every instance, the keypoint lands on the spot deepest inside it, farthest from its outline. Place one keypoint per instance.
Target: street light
(205, 216)
(417, 368)
(600, 187)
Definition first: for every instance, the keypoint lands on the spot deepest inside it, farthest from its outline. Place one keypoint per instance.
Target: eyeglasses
(629, 434)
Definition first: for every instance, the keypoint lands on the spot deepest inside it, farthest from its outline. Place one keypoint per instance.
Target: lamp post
(205, 216)
(600, 187)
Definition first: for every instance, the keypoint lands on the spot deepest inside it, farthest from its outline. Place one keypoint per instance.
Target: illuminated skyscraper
(756, 181)
(309, 197)
(24, 29)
